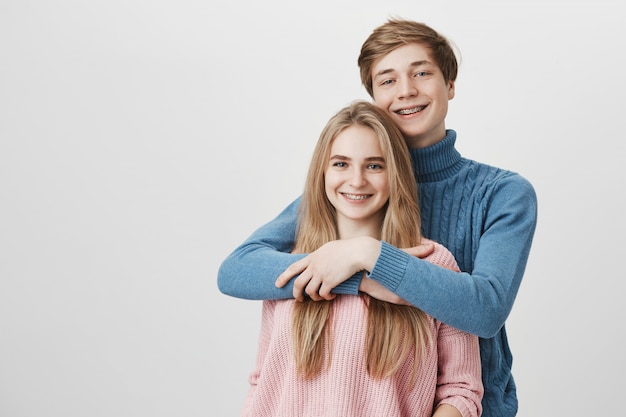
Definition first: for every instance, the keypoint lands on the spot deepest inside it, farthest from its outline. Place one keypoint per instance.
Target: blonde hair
(396, 33)
(393, 330)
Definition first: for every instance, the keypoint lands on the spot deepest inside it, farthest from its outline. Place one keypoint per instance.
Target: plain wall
(141, 141)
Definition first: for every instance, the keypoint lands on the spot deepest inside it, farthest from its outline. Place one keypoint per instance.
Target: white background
(142, 140)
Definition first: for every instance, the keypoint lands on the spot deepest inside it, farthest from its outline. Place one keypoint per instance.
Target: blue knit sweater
(484, 215)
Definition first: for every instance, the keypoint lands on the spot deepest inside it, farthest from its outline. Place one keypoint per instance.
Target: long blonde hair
(394, 331)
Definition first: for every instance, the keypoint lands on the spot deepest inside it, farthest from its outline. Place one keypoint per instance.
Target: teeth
(356, 196)
(410, 111)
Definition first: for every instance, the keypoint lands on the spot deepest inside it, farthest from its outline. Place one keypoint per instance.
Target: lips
(356, 196)
(411, 110)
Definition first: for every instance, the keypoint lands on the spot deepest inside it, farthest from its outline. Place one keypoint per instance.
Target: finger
(312, 289)
(291, 271)
(299, 286)
(421, 251)
(325, 292)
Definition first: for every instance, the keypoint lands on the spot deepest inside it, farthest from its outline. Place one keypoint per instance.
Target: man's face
(409, 86)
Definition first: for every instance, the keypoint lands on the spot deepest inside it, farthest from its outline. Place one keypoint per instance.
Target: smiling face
(356, 182)
(408, 84)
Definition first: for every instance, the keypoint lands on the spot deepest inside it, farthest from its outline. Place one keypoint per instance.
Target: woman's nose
(357, 179)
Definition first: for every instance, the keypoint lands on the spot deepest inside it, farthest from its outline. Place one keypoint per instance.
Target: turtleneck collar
(437, 162)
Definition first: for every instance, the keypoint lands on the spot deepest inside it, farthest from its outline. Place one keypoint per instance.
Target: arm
(265, 337)
(478, 302)
(459, 384)
(251, 269)
(323, 272)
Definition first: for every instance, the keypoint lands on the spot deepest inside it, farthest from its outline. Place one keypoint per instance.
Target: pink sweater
(449, 374)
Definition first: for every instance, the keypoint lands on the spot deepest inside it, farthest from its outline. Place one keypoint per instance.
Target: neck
(348, 228)
(421, 141)
(437, 162)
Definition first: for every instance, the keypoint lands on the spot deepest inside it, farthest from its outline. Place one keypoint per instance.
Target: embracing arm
(250, 271)
(478, 302)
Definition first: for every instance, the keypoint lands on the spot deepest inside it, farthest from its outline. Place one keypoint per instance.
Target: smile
(356, 196)
(411, 110)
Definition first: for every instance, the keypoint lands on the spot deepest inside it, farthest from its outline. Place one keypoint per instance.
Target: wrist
(369, 252)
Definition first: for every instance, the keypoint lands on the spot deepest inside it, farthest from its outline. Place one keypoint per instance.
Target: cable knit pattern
(448, 374)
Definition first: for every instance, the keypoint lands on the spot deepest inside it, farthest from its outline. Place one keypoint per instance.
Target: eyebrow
(412, 65)
(346, 158)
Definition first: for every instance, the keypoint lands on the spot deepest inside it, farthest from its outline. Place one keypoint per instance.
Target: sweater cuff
(349, 286)
(390, 266)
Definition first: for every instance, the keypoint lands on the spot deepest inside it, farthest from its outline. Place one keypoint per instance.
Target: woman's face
(356, 181)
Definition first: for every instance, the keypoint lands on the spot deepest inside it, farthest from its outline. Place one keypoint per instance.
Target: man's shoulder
(488, 181)
(495, 173)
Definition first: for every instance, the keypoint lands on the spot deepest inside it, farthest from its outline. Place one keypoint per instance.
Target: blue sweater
(484, 215)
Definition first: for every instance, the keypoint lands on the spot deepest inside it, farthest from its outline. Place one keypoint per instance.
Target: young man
(485, 216)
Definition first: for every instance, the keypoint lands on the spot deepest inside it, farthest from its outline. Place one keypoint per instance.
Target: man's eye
(386, 82)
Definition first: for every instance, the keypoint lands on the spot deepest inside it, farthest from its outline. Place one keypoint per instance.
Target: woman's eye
(339, 164)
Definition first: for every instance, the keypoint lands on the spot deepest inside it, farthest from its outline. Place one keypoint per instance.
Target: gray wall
(141, 141)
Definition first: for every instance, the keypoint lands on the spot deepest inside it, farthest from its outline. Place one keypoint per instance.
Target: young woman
(356, 355)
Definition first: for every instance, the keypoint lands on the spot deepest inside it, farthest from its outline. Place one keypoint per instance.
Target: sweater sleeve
(477, 301)
(250, 271)
(265, 336)
(459, 380)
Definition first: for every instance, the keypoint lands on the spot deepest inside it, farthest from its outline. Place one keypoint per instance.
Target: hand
(423, 250)
(329, 266)
(420, 251)
(447, 410)
(377, 290)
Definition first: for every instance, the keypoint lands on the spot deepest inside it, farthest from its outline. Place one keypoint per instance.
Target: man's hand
(329, 266)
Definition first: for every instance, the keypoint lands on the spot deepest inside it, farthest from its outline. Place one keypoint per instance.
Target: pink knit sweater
(449, 373)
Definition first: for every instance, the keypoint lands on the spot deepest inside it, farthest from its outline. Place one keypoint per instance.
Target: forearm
(472, 303)
(251, 270)
(479, 299)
